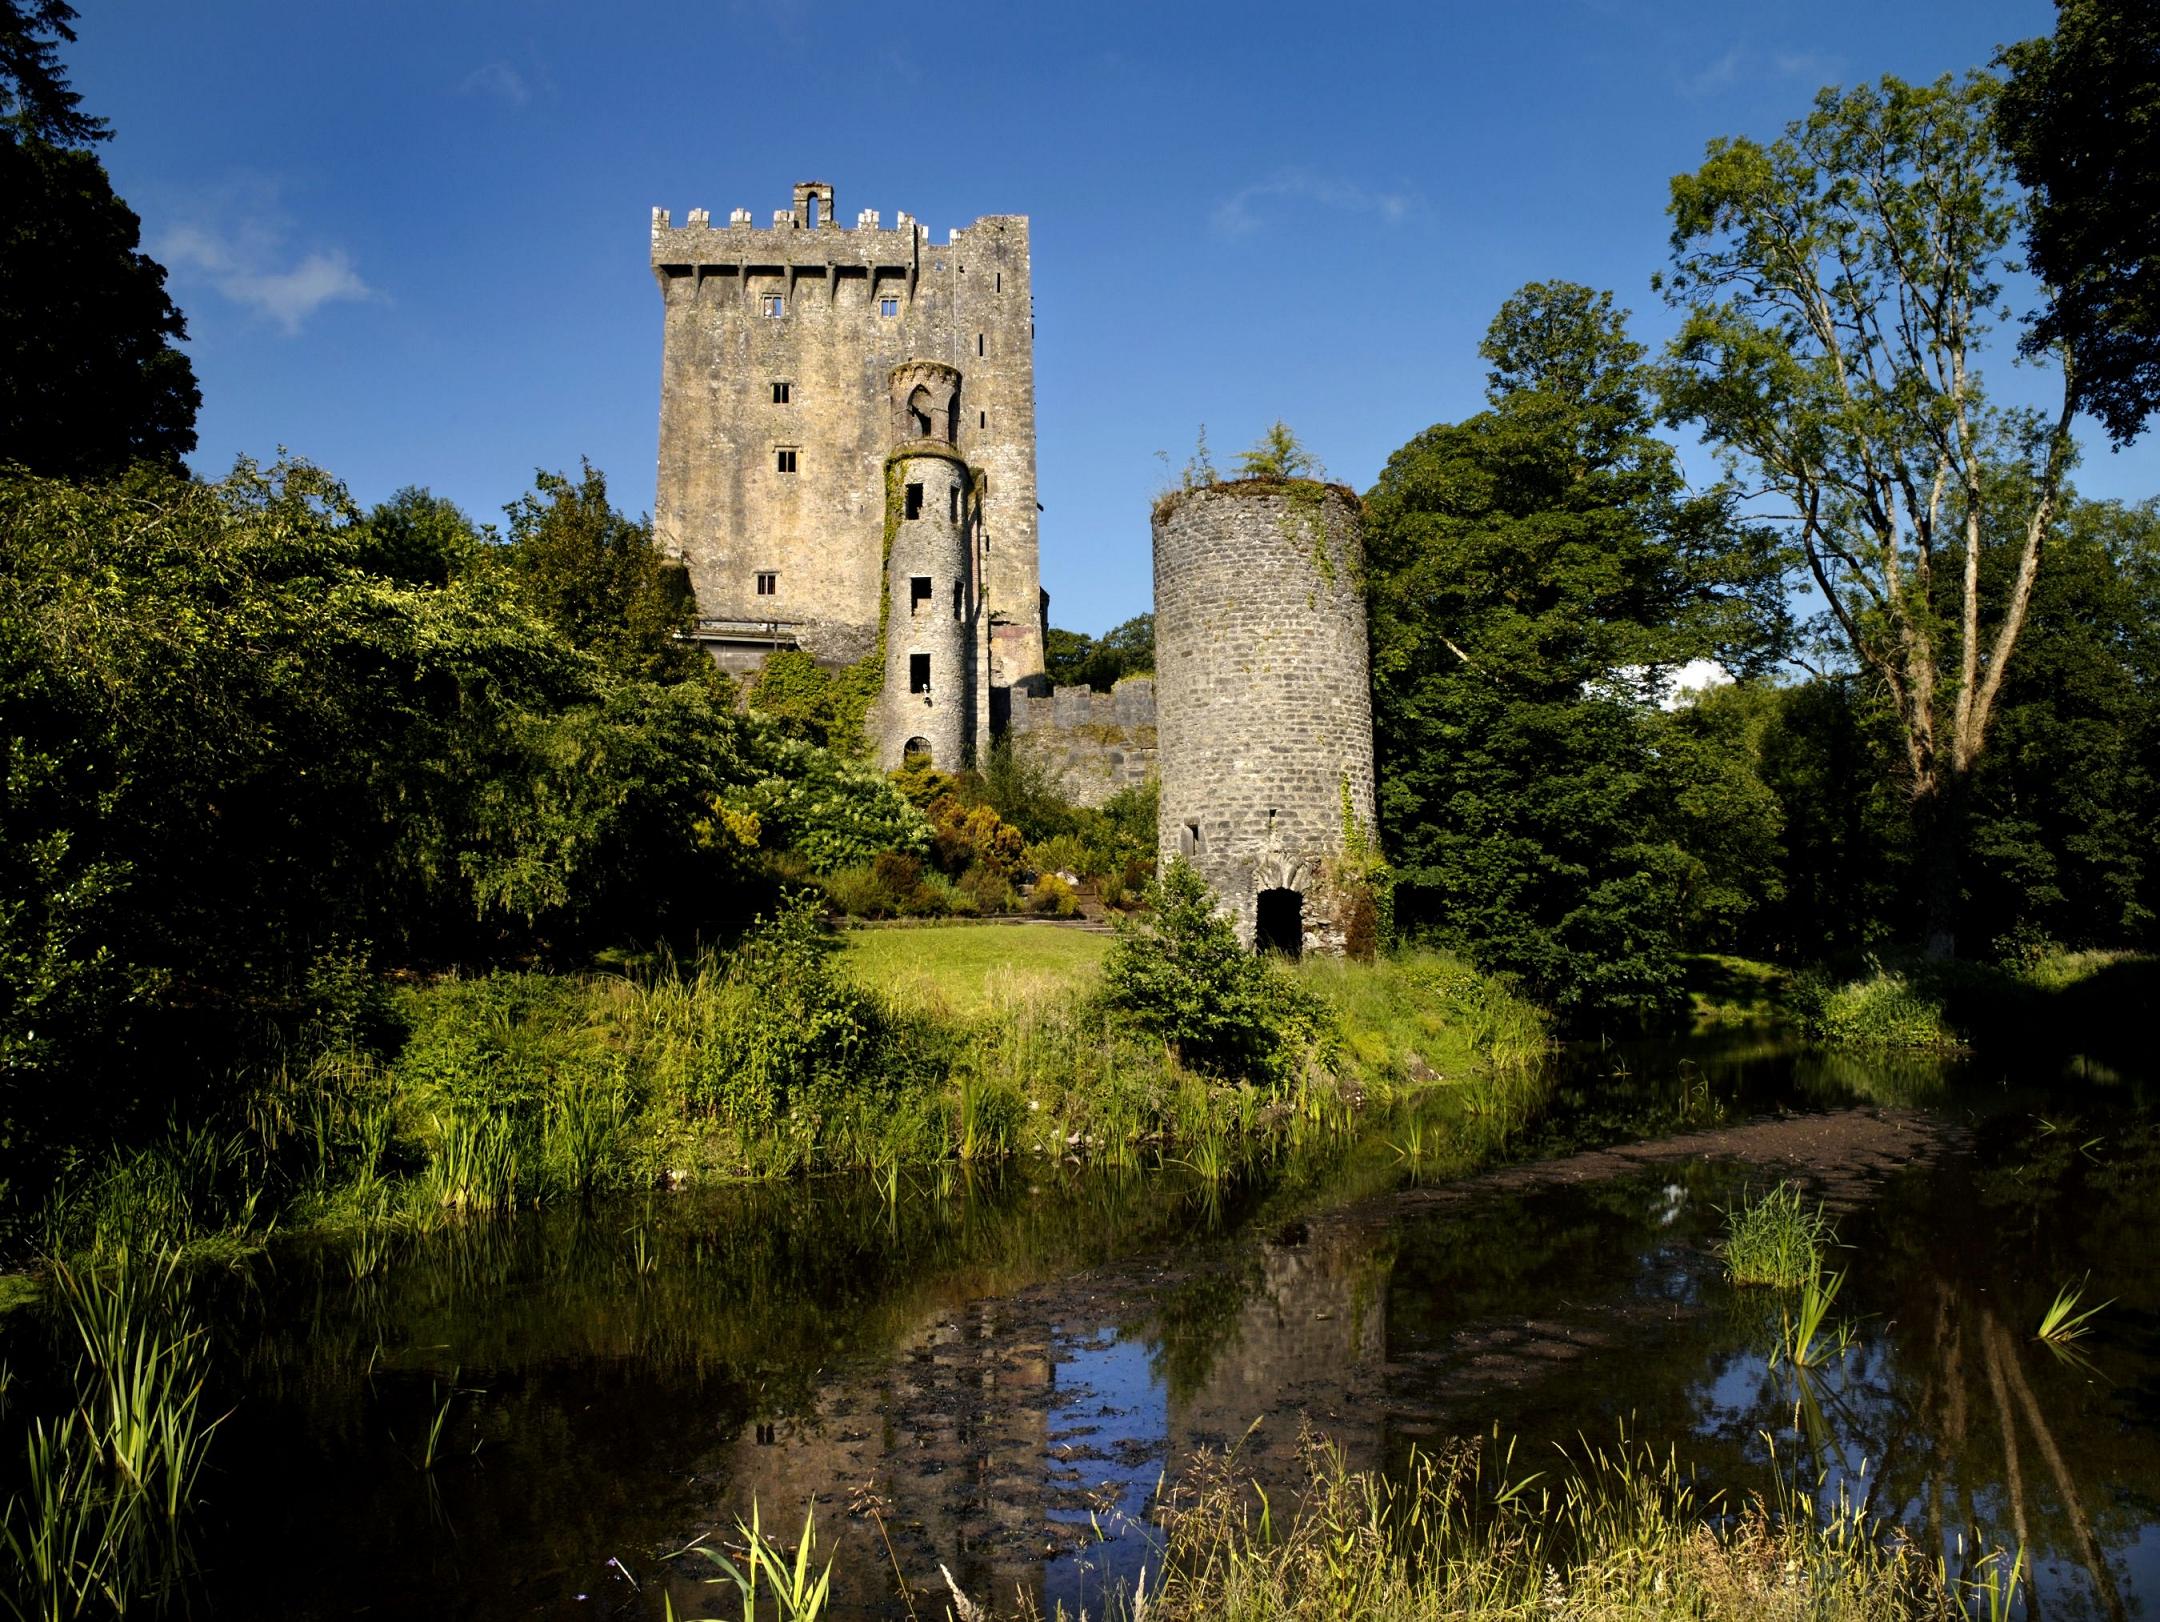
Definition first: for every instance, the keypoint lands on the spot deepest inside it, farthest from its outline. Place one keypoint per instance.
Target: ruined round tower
(933, 702)
(1264, 702)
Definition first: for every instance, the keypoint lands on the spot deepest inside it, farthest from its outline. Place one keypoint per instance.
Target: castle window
(918, 592)
(784, 461)
(982, 419)
(888, 306)
(954, 516)
(978, 343)
(1189, 840)
(1000, 283)
(772, 306)
(956, 599)
(918, 673)
(767, 583)
(914, 501)
(780, 394)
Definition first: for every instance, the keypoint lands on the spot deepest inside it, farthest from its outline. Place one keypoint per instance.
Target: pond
(524, 1417)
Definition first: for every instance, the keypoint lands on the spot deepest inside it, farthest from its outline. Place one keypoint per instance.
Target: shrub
(1061, 853)
(965, 836)
(989, 890)
(1111, 889)
(857, 892)
(1882, 1009)
(1052, 897)
(1183, 977)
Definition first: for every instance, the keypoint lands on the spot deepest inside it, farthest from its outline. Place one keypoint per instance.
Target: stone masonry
(1264, 700)
(1091, 744)
(782, 352)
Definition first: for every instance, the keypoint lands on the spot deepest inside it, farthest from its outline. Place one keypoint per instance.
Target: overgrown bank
(779, 1058)
(2052, 998)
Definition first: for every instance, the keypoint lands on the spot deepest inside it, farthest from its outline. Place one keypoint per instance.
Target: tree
(1837, 286)
(2080, 120)
(1075, 659)
(1535, 573)
(1180, 976)
(1276, 454)
(593, 573)
(90, 380)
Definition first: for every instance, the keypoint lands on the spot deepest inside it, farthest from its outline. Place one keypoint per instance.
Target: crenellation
(776, 424)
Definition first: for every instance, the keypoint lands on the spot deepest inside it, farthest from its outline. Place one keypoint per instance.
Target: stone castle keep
(847, 446)
(847, 468)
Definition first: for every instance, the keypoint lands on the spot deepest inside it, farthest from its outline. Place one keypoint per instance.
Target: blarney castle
(847, 468)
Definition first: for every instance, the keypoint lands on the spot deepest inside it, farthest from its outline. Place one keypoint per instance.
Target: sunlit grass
(1775, 1240)
(2062, 1323)
(969, 970)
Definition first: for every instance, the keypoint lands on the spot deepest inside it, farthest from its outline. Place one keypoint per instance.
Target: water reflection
(992, 1378)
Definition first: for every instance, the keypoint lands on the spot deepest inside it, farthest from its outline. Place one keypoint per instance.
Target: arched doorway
(915, 754)
(1279, 922)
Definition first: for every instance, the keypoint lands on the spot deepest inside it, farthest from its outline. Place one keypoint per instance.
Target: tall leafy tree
(91, 379)
(1537, 573)
(1837, 286)
(593, 573)
(2080, 120)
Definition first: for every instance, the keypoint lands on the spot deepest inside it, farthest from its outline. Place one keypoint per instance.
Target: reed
(2063, 1324)
(1775, 1240)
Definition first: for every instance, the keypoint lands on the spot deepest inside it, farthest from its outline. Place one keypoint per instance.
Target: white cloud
(498, 81)
(1241, 211)
(1740, 65)
(242, 252)
(1719, 76)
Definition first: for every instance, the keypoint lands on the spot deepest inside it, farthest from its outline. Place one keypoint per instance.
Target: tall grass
(100, 1521)
(1618, 1533)
(1775, 1239)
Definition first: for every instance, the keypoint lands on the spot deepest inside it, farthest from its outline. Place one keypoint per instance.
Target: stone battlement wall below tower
(1091, 744)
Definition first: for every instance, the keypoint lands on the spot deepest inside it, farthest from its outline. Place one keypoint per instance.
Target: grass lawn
(968, 970)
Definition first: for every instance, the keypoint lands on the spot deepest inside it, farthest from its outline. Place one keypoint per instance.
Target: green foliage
(1775, 1239)
(1837, 286)
(244, 731)
(92, 378)
(2090, 230)
(1535, 571)
(1181, 977)
(593, 574)
(1883, 1009)
(1052, 897)
(817, 705)
(1276, 454)
(1075, 659)
(418, 539)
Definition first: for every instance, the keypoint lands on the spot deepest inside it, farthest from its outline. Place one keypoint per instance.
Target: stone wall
(1091, 744)
(1264, 695)
(723, 502)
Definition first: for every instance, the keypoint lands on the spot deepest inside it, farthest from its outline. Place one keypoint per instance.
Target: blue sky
(411, 239)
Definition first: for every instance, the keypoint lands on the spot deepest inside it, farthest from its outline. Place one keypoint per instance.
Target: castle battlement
(810, 368)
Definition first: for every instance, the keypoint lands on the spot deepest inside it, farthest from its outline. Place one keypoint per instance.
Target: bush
(1183, 978)
(1052, 897)
(1061, 853)
(987, 890)
(1882, 1010)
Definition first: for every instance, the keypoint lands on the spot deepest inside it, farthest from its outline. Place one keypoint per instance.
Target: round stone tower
(930, 704)
(1264, 702)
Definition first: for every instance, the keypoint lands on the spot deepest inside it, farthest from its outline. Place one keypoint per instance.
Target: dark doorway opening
(1279, 922)
(916, 754)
